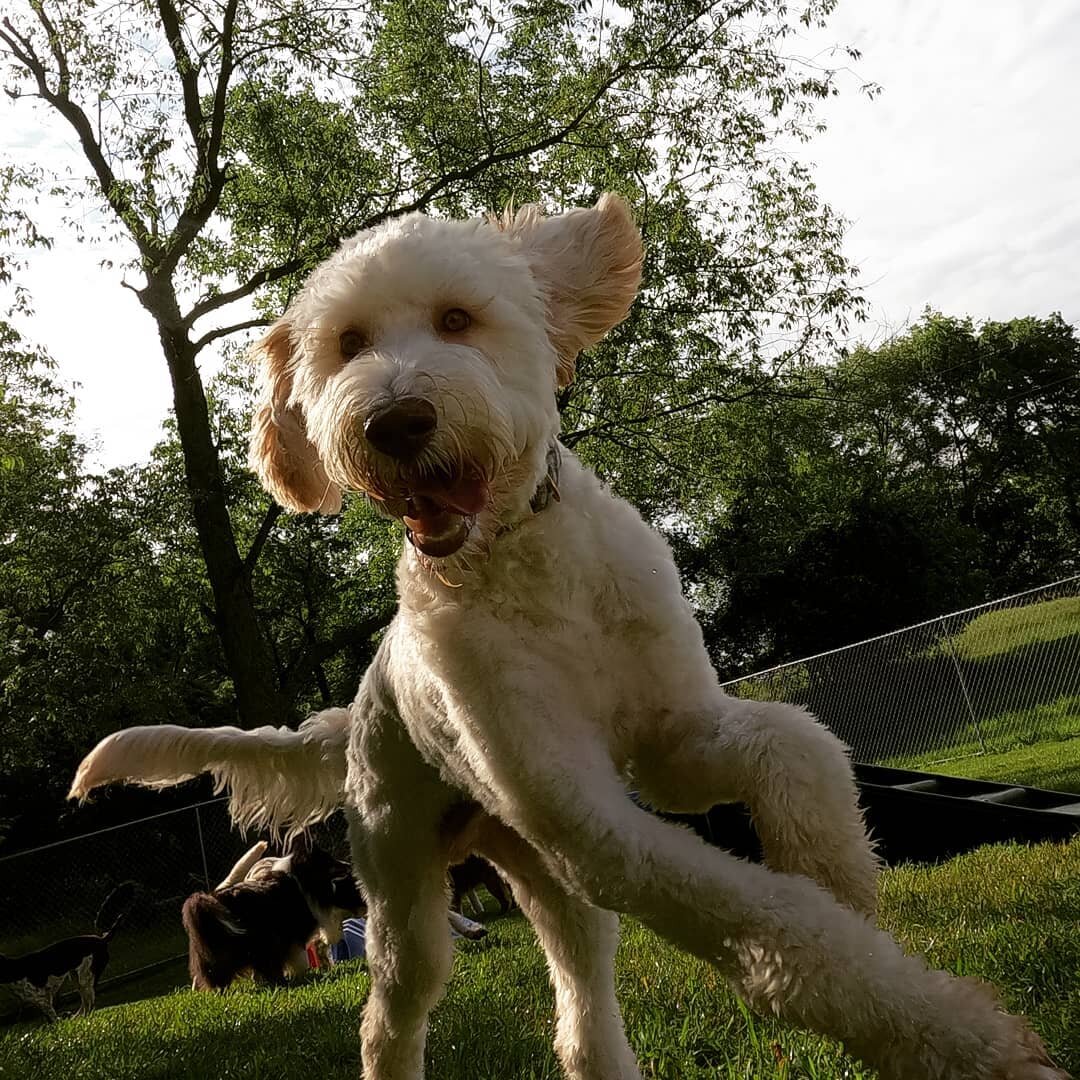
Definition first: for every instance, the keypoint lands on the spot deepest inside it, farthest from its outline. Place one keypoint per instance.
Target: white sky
(962, 182)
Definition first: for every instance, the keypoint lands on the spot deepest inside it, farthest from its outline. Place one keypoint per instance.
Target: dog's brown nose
(403, 428)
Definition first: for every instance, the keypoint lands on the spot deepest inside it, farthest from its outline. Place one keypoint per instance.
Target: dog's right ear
(280, 453)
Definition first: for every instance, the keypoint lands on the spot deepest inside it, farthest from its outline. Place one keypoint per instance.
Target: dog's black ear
(280, 452)
(588, 262)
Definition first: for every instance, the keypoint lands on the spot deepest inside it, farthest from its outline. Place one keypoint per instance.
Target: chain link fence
(984, 680)
(977, 681)
(52, 892)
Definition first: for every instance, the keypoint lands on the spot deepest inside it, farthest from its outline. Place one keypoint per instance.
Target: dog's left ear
(589, 264)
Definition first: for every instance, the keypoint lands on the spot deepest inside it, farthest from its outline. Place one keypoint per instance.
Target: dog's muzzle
(438, 509)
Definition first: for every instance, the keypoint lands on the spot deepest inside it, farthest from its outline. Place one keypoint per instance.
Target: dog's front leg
(407, 943)
(792, 772)
(784, 942)
(396, 816)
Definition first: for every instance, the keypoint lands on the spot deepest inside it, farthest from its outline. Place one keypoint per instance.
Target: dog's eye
(456, 320)
(351, 343)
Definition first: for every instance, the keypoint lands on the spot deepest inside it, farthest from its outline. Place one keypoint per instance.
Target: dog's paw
(1028, 1058)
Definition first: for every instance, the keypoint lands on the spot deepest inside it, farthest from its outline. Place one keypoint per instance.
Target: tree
(232, 144)
(90, 638)
(106, 614)
(993, 409)
(889, 486)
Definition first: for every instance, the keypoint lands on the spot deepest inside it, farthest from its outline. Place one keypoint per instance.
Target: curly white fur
(550, 660)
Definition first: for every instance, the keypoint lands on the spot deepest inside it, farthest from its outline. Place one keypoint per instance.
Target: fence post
(964, 690)
(202, 847)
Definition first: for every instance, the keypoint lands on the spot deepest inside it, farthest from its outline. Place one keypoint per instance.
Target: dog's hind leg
(401, 861)
(579, 941)
(791, 771)
(87, 976)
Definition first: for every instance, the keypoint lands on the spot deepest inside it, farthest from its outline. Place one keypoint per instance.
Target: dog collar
(548, 488)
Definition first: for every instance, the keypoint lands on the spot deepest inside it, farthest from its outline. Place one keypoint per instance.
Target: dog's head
(328, 886)
(324, 877)
(419, 364)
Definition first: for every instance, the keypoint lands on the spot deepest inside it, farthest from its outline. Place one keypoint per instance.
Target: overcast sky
(960, 181)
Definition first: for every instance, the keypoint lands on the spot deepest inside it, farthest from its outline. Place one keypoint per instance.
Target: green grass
(1006, 913)
(1048, 721)
(1002, 631)
(1053, 765)
(1039, 747)
(1019, 665)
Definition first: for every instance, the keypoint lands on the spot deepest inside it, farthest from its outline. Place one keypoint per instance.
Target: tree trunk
(258, 700)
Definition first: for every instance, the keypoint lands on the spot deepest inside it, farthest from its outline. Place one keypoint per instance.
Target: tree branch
(221, 90)
(189, 76)
(210, 178)
(318, 651)
(435, 188)
(572, 438)
(224, 331)
(273, 512)
(55, 46)
(114, 191)
(256, 281)
(421, 202)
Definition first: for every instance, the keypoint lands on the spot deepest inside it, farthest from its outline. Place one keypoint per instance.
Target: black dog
(473, 872)
(263, 924)
(36, 977)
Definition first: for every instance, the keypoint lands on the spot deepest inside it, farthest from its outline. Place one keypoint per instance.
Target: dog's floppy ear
(280, 453)
(589, 264)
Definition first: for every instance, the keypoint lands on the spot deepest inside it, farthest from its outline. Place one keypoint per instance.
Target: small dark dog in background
(469, 875)
(262, 924)
(36, 977)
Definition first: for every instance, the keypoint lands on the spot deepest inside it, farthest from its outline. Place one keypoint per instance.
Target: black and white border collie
(261, 918)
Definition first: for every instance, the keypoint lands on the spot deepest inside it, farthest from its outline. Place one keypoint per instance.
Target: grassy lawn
(1002, 631)
(1053, 723)
(1021, 681)
(1053, 765)
(1006, 913)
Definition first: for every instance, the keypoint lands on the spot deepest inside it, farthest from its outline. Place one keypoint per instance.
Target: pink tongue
(468, 495)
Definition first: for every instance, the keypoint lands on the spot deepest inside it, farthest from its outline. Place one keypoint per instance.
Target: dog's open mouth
(439, 511)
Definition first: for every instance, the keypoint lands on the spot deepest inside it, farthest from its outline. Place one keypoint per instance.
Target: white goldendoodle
(542, 658)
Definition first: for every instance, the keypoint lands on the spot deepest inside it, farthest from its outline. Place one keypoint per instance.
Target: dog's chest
(578, 619)
(615, 639)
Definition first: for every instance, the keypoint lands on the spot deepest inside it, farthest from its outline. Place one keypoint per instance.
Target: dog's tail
(243, 865)
(277, 778)
(115, 908)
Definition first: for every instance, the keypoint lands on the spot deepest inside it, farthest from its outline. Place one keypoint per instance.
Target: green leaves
(891, 485)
